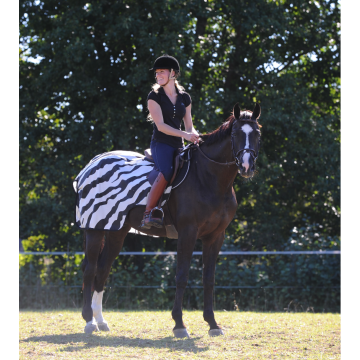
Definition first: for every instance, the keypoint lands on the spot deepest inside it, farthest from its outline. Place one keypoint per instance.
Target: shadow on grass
(92, 341)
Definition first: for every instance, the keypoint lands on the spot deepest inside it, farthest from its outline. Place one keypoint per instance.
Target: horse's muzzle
(247, 172)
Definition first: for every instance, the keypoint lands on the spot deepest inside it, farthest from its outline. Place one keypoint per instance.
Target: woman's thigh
(163, 155)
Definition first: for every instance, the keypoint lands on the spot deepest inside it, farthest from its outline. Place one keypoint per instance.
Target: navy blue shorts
(163, 155)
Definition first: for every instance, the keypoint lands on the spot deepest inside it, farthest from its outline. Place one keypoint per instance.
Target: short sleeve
(154, 96)
(187, 99)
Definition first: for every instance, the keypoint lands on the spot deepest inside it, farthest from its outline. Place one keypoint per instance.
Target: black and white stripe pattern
(109, 186)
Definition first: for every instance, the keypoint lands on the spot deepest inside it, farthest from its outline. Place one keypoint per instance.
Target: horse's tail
(85, 261)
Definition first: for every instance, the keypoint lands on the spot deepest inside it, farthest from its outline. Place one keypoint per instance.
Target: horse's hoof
(181, 333)
(90, 328)
(216, 332)
(103, 326)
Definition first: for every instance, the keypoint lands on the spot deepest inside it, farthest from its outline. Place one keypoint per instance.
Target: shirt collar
(162, 91)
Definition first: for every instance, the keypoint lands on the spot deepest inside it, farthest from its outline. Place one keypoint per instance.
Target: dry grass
(148, 335)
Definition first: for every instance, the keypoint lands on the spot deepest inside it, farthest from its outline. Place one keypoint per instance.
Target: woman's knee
(168, 173)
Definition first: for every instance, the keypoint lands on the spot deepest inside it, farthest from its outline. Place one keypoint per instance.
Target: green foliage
(86, 94)
(304, 280)
(258, 282)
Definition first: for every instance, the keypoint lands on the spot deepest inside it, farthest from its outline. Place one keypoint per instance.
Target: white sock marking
(91, 322)
(96, 306)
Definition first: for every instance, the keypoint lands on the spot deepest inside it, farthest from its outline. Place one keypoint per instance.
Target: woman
(168, 104)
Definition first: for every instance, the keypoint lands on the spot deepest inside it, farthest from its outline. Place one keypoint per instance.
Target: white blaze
(247, 129)
(245, 163)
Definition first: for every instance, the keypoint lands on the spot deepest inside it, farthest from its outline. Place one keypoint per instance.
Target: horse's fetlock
(208, 316)
(176, 314)
(87, 314)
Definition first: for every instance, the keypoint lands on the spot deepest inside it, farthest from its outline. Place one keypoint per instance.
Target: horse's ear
(257, 112)
(237, 111)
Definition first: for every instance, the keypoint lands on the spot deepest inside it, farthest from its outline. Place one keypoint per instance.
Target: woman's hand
(194, 138)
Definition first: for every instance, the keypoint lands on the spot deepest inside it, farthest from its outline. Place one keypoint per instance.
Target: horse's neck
(220, 152)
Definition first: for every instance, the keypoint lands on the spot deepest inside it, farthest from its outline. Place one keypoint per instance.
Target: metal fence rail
(187, 286)
(166, 253)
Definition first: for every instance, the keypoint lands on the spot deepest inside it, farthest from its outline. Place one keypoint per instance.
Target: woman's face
(162, 76)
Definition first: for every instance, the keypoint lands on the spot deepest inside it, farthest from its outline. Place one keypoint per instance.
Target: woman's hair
(156, 88)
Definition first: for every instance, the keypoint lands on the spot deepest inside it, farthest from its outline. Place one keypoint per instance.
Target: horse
(201, 208)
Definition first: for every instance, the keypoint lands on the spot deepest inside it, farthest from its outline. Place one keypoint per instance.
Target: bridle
(238, 155)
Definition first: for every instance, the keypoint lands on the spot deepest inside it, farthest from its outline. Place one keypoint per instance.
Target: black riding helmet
(166, 62)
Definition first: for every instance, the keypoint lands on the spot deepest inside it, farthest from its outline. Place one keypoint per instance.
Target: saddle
(181, 157)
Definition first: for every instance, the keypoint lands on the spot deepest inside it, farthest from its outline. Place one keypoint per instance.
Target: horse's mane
(224, 130)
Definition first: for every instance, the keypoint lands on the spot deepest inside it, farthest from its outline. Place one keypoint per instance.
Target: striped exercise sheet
(109, 186)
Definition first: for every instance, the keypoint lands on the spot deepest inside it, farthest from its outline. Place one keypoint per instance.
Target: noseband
(237, 155)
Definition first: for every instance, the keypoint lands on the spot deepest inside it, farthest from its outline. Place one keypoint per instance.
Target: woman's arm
(189, 127)
(156, 114)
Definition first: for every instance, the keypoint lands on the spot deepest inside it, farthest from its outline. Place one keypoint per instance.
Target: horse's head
(245, 139)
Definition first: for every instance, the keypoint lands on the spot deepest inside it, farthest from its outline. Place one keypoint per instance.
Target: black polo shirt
(172, 115)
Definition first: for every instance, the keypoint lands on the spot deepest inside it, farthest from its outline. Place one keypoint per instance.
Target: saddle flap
(148, 155)
(178, 161)
(152, 175)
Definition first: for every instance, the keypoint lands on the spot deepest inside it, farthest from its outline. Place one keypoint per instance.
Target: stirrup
(144, 224)
(156, 222)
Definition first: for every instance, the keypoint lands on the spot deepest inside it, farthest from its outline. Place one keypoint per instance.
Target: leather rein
(235, 155)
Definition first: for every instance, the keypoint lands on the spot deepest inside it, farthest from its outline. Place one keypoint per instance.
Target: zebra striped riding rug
(109, 186)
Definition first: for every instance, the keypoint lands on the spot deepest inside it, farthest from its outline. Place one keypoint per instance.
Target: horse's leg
(92, 249)
(185, 247)
(211, 247)
(113, 245)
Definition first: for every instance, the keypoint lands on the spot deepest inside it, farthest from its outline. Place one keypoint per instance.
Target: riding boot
(154, 195)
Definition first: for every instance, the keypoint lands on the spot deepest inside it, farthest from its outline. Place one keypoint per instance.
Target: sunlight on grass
(148, 335)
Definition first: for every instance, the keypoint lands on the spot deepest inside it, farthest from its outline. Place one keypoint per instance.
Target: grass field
(148, 335)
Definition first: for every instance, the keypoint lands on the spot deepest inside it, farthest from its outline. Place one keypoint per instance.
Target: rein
(215, 162)
(235, 155)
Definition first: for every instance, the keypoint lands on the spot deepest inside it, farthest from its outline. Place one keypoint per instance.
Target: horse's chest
(218, 209)
(208, 210)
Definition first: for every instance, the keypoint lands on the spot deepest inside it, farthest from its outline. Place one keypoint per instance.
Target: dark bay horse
(202, 207)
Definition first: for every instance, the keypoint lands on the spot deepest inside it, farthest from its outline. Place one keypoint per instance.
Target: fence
(221, 253)
(271, 280)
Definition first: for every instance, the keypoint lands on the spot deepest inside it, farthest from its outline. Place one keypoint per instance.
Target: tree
(87, 95)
